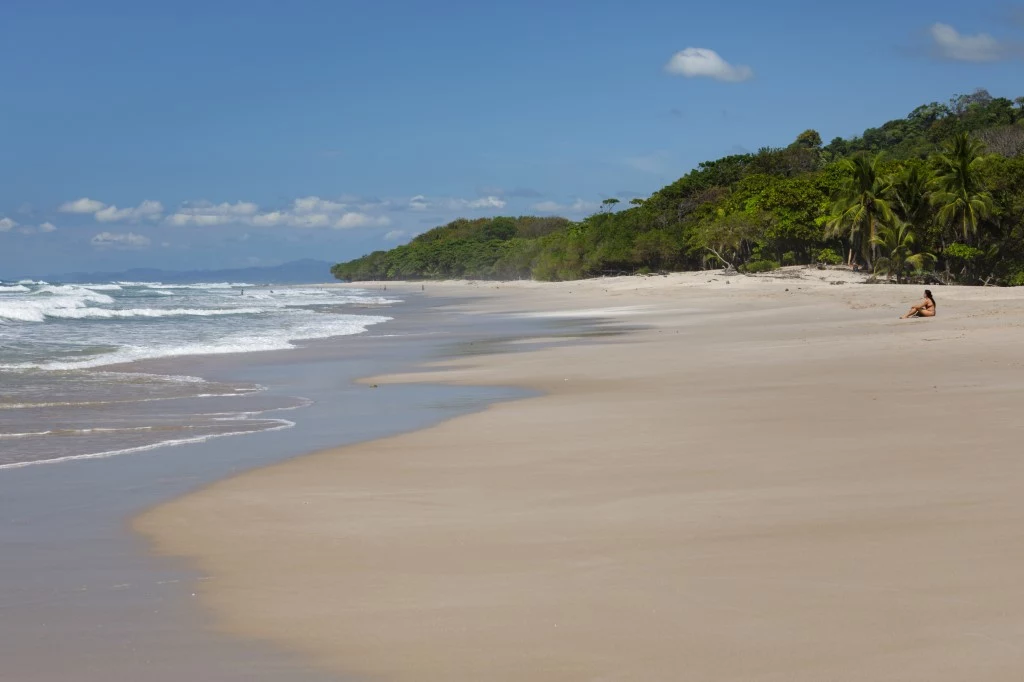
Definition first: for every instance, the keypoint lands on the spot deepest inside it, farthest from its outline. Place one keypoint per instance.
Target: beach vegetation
(756, 266)
(961, 198)
(941, 188)
(897, 256)
(860, 205)
(827, 256)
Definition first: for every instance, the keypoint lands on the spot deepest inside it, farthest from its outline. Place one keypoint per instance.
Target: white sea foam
(199, 285)
(301, 403)
(107, 313)
(103, 287)
(74, 306)
(82, 432)
(320, 327)
(95, 403)
(48, 300)
(73, 292)
(306, 297)
(168, 378)
(215, 319)
(58, 327)
(282, 424)
(29, 311)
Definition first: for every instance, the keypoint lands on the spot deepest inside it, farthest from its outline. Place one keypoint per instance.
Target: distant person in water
(926, 308)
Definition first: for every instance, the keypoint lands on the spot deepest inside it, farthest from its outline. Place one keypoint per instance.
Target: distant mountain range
(305, 271)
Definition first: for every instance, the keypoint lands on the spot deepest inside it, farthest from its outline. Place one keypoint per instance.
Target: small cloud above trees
(701, 62)
(948, 43)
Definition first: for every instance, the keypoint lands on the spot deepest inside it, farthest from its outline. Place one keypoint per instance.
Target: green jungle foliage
(935, 196)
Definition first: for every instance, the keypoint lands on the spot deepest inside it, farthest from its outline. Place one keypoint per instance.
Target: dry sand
(761, 485)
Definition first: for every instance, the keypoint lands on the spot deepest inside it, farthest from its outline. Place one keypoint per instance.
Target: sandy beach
(762, 478)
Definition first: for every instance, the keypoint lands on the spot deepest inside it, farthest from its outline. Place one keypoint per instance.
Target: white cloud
(422, 203)
(980, 47)
(271, 219)
(360, 220)
(151, 210)
(204, 213)
(419, 203)
(128, 240)
(6, 224)
(316, 205)
(394, 235)
(303, 212)
(199, 219)
(148, 209)
(291, 219)
(485, 202)
(577, 207)
(310, 219)
(309, 212)
(83, 205)
(112, 214)
(700, 62)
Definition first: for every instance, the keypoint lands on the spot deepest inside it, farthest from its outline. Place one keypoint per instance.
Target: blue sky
(221, 134)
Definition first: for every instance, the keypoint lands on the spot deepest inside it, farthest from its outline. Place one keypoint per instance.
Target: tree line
(938, 194)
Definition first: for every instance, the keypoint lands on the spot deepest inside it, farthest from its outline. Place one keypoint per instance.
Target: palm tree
(909, 192)
(896, 243)
(959, 195)
(860, 204)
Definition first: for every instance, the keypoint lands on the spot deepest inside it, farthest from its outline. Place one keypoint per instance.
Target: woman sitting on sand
(926, 308)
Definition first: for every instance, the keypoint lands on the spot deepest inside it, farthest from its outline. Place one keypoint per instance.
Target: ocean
(82, 597)
(71, 388)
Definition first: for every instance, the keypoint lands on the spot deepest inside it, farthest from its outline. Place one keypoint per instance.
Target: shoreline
(83, 598)
(108, 398)
(697, 495)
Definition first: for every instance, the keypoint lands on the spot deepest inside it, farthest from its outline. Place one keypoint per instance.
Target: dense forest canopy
(936, 195)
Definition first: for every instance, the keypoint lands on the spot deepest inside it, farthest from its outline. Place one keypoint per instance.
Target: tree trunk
(873, 249)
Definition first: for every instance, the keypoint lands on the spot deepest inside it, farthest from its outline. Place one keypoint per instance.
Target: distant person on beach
(926, 308)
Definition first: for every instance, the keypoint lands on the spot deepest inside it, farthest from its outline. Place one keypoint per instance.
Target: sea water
(68, 389)
(82, 599)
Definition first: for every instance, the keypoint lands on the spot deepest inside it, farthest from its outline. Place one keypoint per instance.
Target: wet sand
(81, 598)
(766, 479)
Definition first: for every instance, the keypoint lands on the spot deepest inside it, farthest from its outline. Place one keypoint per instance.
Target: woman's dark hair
(928, 293)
